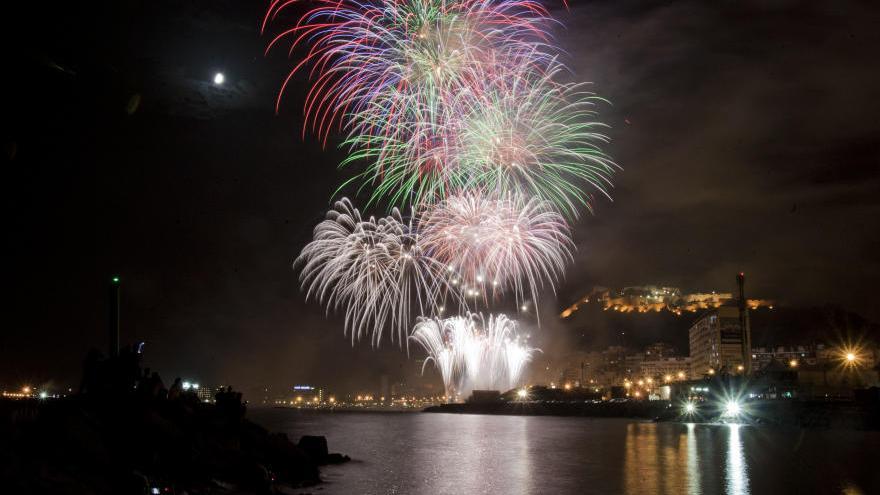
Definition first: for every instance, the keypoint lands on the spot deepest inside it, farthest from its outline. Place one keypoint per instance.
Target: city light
(567, 386)
(850, 357)
(793, 363)
(522, 393)
(732, 409)
(219, 78)
(690, 408)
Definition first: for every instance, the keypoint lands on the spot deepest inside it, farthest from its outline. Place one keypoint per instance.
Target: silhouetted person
(91, 371)
(175, 390)
(143, 385)
(157, 388)
(229, 404)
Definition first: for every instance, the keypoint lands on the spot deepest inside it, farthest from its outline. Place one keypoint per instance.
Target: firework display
(387, 61)
(490, 246)
(375, 271)
(474, 353)
(456, 112)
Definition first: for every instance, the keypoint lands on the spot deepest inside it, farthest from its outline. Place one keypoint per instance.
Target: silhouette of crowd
(123, 377)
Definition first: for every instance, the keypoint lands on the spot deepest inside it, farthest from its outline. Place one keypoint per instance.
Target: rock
(315, 446)
(336, 458)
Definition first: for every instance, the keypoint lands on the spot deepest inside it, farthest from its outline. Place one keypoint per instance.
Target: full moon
(219, 78)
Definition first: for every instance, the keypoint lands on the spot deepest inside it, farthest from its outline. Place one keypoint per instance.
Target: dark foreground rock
(315, 448)
(119, 446)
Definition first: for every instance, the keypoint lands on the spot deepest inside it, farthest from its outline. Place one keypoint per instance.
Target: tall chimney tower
(744, 324)
(113, 326)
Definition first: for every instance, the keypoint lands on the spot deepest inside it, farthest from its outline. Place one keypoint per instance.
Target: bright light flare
(732, 409)
(690, 408)
(219, 79)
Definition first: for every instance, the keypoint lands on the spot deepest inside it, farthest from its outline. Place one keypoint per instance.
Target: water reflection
(693, 462)
(679, 459)
(736, 475)
(472, 454)
(655, 460)
(462, 454)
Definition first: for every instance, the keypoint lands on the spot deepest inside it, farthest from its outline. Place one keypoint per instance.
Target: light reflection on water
(737, 475)
(464, 454)
(693, 463)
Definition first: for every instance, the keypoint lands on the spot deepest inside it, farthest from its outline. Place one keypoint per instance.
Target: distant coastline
(802, 414)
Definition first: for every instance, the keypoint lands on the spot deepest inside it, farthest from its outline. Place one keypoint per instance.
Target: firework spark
(474, 353)
(490, 246)
(516, 131)
(388, 55)
(373, 270)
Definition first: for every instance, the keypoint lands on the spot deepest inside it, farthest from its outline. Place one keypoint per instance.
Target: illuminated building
(659, 350)
(671, 367)
(717, 340)
(206, 394)
(307, 394)
(651, 298)
(762, 357)
(571, 377)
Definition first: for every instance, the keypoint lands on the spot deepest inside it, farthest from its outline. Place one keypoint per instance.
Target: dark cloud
(753, 145)
(748, 133)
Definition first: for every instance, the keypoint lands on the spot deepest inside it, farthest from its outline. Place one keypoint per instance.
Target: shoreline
(813, 414)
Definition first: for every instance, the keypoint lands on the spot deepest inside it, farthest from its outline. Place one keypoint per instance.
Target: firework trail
(390, 57)
(474, 353)
(374, 270)
(490, 246)
(531, 136)
(516, 131)
(403, 77)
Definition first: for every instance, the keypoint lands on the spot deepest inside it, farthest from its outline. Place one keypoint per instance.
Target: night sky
(749, 134)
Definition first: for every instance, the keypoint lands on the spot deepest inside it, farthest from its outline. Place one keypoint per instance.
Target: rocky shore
(126, 445)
